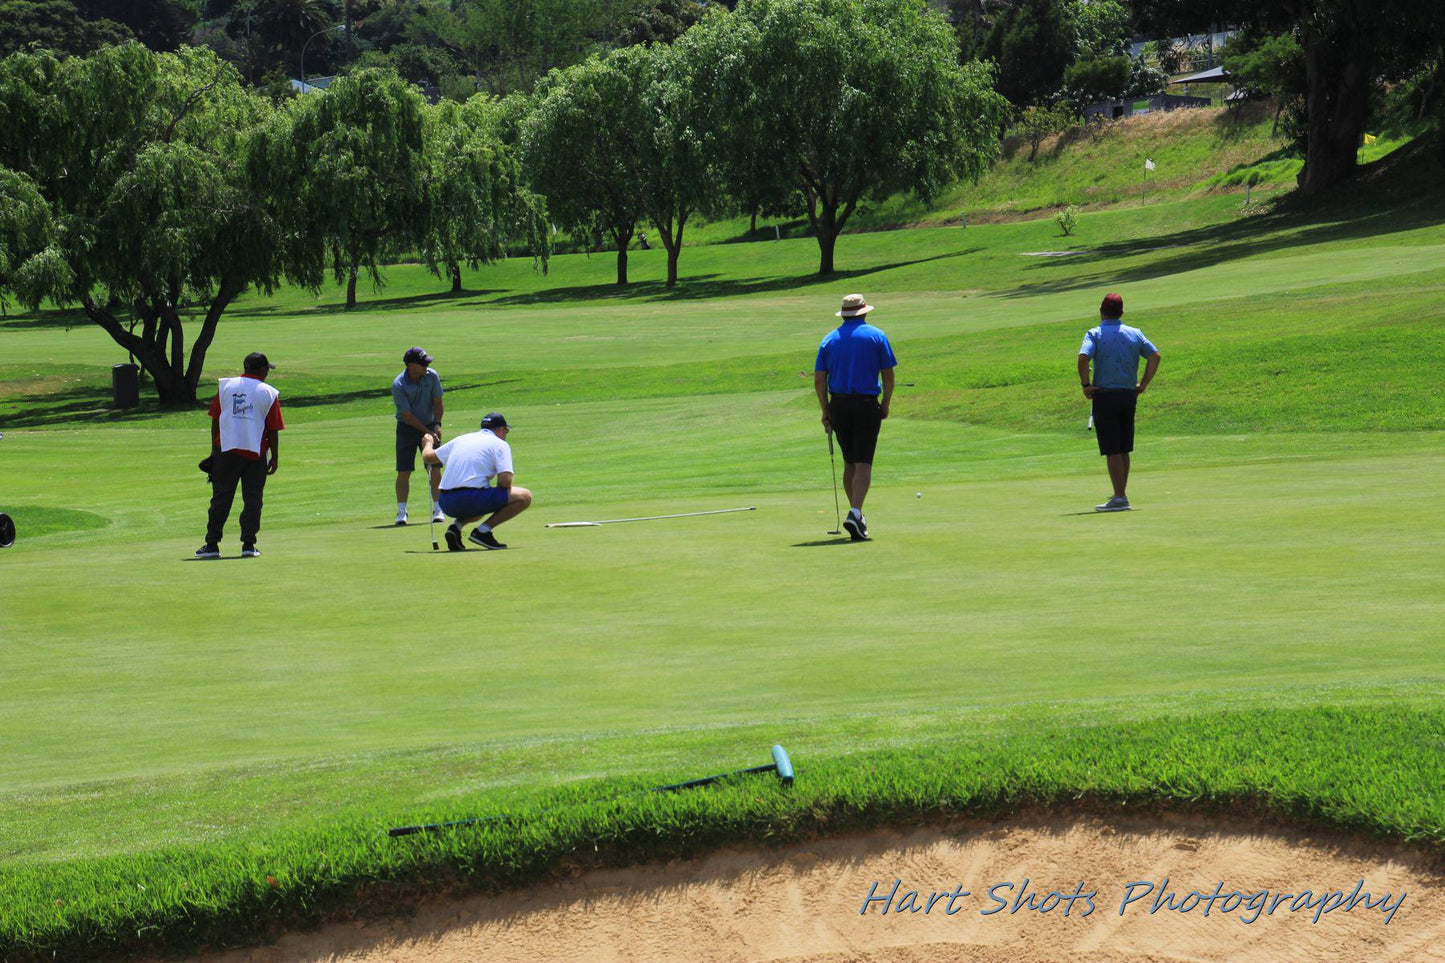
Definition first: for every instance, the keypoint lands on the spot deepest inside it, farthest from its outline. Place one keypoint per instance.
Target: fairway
(1283, 556)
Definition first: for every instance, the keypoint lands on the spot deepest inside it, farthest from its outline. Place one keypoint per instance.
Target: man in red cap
(1114, 348)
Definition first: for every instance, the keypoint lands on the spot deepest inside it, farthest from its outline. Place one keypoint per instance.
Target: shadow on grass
(845, 540)
(706, 286)
(90, 404)
(1289, 226)
(45, 318)
(364, 307)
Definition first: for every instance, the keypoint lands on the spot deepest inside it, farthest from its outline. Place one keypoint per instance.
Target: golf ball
(918, 494)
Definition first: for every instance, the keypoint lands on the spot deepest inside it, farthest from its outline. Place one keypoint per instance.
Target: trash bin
(125, 385)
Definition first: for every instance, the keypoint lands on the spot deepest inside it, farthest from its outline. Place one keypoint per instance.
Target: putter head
(783, 765)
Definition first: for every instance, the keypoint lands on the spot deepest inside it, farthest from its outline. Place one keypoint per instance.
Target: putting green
(1257, 564)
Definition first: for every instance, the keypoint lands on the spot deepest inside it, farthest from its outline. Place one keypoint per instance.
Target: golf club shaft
(837, 512)
(653, 518)
(781, 765)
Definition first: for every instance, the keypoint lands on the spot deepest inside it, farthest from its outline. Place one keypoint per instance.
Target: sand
(802, 903)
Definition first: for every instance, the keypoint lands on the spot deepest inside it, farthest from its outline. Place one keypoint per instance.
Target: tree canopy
(1347, 45)
(360, 173)
(150, 203)
(581, 143)
(839, 100)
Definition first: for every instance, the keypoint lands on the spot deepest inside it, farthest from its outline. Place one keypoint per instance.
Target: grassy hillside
(1196, 152)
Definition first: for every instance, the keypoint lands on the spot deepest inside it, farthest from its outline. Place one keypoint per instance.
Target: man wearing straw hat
(855, 365)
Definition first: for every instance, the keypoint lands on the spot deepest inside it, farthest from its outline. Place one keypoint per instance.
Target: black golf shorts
(1114, 420)
(856, 420)
(408, 443)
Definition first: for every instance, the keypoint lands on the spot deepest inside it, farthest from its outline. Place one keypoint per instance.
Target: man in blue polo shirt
(1115, 350)
(852, 361)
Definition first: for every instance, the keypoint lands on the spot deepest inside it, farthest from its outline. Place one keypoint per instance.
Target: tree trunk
(672, 241)
(623, 239)
(456, 279)
(227, 293)
(171, 389)
(1337, 98)
(351, 287)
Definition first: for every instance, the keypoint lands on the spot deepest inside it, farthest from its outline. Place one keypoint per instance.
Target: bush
(1067, 219)
(1090, 81)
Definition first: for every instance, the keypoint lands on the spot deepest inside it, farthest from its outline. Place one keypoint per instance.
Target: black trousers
(229, 470)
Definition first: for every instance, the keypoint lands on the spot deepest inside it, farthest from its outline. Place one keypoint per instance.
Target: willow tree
(580, 144)
(841, 100)
(475, 202)
(140, 160)
(358, 169)
(677, 167)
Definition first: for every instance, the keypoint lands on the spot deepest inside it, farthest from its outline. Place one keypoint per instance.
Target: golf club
(781, 765)
(647, 518)
(837, 512)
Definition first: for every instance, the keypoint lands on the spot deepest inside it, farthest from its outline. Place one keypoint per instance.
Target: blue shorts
(473, 502)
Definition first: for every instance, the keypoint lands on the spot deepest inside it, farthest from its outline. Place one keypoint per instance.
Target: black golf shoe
(208, 551)
(856, 528)
(485, 539)
(250, 550)
(454, 538)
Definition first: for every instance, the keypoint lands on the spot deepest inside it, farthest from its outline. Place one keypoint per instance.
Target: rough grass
(1374, 770)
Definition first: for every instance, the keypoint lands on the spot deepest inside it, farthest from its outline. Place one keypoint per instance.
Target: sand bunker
(802, 903)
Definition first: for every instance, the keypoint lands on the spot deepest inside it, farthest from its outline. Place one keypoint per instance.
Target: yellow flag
(1369, 139)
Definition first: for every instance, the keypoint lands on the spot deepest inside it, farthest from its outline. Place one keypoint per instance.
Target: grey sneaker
(1116, 504)
(485, 539)
(250, 551)
(438, 515)
(856, 528)
(208, 551)
(401, 516)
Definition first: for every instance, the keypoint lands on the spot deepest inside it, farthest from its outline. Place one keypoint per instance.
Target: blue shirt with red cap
(1116, 349)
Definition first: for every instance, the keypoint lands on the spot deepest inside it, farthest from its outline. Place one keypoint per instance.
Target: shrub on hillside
(1067, 219)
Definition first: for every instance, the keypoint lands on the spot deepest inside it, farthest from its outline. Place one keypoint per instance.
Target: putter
(431, 511)
(837, 512)
(781, 765)
(7, 531)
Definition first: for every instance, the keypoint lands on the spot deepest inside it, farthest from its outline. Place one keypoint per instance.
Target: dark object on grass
(781, 765)
(206, 464)
(7, 531)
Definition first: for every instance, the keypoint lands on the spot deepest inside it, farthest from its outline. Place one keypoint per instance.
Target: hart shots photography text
(1141, 896)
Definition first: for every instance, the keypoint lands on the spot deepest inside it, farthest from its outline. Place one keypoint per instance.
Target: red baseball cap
(1113, 306)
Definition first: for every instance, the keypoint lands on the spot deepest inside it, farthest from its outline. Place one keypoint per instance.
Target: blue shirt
(1116, 349)
(417, 396)
(854, 355)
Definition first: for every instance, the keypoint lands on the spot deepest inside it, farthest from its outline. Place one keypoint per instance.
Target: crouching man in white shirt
(470, 463)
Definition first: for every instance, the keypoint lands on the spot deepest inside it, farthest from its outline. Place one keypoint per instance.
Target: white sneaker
(1116, 504)
(401, 516)
(438, 515)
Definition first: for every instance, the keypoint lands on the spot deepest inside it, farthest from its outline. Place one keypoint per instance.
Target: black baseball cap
(495, 420)
(417, 356)
(256, 361)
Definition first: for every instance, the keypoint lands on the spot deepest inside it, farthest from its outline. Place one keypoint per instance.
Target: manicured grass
(1261, 634)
